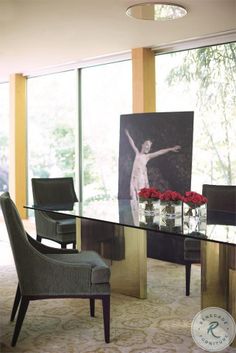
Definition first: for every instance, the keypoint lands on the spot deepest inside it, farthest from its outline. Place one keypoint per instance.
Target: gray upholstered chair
(192, 255)
(221, 206)
(174, 249)
(45, 272)
(60, 193)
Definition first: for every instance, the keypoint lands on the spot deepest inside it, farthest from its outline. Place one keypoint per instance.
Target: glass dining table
(117, 229)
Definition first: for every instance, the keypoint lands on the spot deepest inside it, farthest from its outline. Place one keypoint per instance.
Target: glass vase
(171, 224)
(195, 218)
(195, 211)
(171, 209)
(151, 221)
(149, 207)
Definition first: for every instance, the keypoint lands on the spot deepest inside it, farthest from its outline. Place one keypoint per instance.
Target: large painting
(155, 151)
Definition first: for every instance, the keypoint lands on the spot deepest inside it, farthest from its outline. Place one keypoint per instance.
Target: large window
(203, 80)
(4, 136)
(106, 94)
(52, 125)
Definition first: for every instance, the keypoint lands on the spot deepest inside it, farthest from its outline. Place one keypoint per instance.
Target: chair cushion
(66, 226)
(100, 270)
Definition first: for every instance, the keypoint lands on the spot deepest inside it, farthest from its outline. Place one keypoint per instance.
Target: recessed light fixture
(156, 11)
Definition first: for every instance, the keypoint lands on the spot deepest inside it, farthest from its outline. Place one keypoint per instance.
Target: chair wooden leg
(187, 278)
(20, 318)
(63, 245)
(74, 245)
(38, 238)
(106, 317)
(16, 303)
(92, 307)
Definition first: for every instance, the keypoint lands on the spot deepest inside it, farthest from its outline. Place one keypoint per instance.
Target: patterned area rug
(160, 323)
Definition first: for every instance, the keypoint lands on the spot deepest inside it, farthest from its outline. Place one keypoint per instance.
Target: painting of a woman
(139, 175)
(155, 151)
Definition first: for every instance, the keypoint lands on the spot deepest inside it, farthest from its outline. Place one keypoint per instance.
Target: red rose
(149, 193)
(194, 199)
(170, 195)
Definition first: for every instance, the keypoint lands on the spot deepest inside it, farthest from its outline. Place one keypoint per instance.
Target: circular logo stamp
(213, 329)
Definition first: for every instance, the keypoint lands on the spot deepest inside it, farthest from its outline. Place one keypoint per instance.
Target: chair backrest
(20, 245)
(53, 191)
(221, 206)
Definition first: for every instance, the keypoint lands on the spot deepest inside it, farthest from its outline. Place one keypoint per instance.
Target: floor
(159, 324)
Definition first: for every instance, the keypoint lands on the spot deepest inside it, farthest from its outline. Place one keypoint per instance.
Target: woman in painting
(139, 177)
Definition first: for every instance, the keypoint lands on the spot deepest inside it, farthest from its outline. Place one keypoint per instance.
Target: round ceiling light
(156, 11)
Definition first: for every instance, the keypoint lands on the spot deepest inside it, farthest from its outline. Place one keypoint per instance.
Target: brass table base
(129, 266)
(218, 277)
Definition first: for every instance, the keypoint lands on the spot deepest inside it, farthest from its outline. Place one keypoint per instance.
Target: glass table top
(220, 228)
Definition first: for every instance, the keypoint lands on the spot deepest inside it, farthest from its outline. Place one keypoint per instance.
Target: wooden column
(143, 69)
(18, 157)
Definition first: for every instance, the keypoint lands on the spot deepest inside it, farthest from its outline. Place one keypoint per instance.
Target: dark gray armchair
(221, 206)
(221, 209)
(60, 193)
(45, 272)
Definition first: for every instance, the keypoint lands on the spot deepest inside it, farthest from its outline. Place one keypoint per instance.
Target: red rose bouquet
(193, 199)
(171, 204)
(170, 195)
(149, 193)
(148, 196)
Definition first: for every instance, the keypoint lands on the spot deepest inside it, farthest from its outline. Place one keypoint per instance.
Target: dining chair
(45, 273)
(60, 193)
(221, 209)
(221, 205)
(174, 249)
(192, 255)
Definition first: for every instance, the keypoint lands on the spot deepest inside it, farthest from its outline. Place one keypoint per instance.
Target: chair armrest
(48, 249)
(41, 275)
(45, 225)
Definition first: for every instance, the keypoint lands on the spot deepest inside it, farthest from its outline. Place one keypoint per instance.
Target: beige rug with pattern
(160, 323)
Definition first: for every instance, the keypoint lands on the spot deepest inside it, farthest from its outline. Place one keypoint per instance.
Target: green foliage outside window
(207, 76)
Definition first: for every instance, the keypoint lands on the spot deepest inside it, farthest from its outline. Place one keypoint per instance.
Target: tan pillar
(18, 158)
(143, 69)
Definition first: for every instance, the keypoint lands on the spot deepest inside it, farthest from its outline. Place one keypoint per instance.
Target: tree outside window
(52, 122)
(203, 80)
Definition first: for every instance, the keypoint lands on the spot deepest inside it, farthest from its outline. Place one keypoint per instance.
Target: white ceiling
(37, 34)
